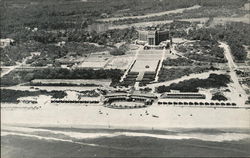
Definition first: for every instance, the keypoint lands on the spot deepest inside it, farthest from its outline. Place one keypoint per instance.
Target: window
(151, 41)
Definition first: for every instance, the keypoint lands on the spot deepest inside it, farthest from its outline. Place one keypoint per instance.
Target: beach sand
(76, 130)
(81, 116)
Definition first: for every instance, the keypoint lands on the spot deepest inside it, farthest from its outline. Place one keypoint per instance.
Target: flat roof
(135, 93)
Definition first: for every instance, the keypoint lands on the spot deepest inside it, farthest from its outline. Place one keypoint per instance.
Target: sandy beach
(158, 117)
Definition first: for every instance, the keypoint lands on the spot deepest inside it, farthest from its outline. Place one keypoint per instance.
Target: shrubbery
(235, 34)
(174, 73)
(177, 62)
(8, 95)
(117, 52)
(192, 85)
(15, 78)
(219, 96)
(205, 50)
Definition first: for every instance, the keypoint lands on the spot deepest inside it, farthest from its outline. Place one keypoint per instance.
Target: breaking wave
(40, 134)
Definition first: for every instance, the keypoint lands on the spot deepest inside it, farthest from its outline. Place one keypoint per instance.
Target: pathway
(130, 66)
(237, 88)
(11, 68)
(160, 65)
(150, 15)
(151, 23)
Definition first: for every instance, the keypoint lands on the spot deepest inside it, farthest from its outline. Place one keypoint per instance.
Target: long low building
(184, 96)
(89, 101)
(99, 82)
(75, 101)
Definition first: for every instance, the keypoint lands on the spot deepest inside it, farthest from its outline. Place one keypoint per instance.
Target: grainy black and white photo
(125, 78)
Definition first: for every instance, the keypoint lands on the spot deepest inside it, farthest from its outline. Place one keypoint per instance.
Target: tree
(117, 52)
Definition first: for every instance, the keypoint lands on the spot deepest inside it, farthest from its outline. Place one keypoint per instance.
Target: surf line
(59, 139)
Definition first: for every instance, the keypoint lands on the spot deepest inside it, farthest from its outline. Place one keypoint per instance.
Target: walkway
(11, 68)
(152, 23)
(150, 15)
(160, 65)
(130, 66)
(237, 88)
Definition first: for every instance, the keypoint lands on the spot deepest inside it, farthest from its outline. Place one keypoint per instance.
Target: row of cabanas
(132, 99)
(27, 101)
(75, 101)
(114, 106)
(196, 103)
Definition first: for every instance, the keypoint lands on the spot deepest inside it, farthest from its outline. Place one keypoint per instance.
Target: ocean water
(18, 142)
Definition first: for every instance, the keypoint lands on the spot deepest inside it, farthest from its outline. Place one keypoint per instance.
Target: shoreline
(126, 128)
(101, 117)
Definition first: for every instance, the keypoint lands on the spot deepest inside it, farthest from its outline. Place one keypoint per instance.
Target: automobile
(155, 116)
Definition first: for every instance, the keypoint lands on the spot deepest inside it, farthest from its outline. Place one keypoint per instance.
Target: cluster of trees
(219, 96)
(192, 85)
(15, 78)
(89, 93)
(235, 34)
(206, 50)
(49, 52)
(117, 51)
(147, 89)
(80, 35)
(16, 52)
(9, 95)
(44, 42)
(65, 22)
(53, 73)
(178, 62)
(76, 14)
(120, 51)
(103, 38)
(174, 73)
(62, 84)
(207, 9)
(52, 14)
(205, 58)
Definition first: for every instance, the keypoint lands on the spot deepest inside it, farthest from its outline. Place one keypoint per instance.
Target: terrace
(96, 60)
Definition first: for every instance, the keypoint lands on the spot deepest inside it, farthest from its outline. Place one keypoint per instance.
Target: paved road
(11, 68)
(150, 15)
(151, 23)
(238, 90)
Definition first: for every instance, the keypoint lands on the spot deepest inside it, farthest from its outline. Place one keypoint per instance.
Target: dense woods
(235, 34)
(8, 95)
(14, 78)
(192, 85)
(167, 74)
(178, 62)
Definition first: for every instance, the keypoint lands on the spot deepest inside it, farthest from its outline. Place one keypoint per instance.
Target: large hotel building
(153, 37)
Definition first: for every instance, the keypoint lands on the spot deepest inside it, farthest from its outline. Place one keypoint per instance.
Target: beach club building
(133, 97)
